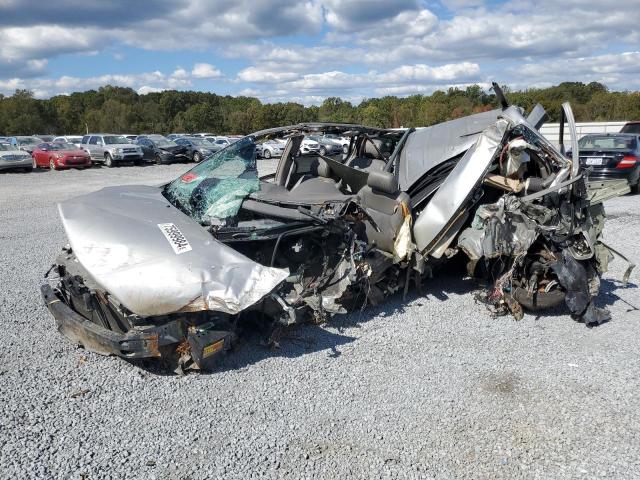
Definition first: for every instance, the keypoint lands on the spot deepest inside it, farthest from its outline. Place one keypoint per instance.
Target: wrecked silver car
(180, 271)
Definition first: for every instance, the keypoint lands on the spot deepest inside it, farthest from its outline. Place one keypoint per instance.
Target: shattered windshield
(215, 189)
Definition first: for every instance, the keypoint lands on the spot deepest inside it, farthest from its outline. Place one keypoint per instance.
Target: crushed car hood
(155, 260)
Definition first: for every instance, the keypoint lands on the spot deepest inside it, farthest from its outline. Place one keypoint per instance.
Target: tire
(158, 160)
(108, 160)
(323, 151)
(266, 153)
(635, 189)
(540, 301)
(197, 157)
(52, 164)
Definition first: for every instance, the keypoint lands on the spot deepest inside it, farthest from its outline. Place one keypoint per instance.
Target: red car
(58, 155)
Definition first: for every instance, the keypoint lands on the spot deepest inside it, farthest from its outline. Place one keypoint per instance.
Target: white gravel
(427, 388)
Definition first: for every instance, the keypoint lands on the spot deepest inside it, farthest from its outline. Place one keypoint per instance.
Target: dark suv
(612, 156)
(631, 127)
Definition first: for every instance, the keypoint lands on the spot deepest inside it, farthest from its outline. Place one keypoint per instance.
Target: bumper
(127, 157)
(204, 345)
(630, 174)
(7, 164)
(68, 163)
(96, 338)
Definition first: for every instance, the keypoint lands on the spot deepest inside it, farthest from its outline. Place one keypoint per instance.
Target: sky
(308, 50)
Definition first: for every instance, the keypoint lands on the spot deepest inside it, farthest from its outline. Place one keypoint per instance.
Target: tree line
(118, 109)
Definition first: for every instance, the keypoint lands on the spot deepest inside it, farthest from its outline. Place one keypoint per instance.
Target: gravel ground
(428, 388)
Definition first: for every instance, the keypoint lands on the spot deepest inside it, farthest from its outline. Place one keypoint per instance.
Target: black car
(161, 150)
(612, 156)
(197, 148)
(631, 127)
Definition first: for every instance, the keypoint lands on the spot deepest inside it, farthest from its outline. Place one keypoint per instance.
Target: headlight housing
(119, 151)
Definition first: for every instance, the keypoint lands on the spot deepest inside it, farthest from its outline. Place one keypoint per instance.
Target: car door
(147, 148)
(92, 147)
(183, 142)
(40, 155)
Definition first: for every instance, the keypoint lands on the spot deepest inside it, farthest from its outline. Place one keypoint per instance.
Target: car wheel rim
(267, 154)
(52, 165)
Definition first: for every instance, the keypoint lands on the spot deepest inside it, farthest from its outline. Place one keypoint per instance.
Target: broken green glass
(216, 188)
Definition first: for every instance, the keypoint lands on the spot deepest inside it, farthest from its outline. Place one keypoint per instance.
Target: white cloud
(263, 75)
(205, 70)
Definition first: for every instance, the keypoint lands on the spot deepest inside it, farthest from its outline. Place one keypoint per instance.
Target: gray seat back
(387, 211)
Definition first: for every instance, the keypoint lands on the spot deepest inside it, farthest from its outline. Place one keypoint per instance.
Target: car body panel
(118, 234)
(430, 146)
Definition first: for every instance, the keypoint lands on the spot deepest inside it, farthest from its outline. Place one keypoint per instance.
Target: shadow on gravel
(309, 338)
(607, 295)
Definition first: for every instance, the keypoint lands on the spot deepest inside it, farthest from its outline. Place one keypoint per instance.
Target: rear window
(631, 128)
(608, 142)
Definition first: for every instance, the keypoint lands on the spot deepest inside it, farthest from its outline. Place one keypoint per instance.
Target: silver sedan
(10, 158)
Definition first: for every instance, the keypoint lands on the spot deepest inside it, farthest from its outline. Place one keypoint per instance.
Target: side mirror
(383, 181)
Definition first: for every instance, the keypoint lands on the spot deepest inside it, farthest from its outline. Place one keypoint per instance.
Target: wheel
(52, 164)
(197, 157)
(345, 149)
(266, 153)
(158, 160)
(540, 300)
(323, 151)
(108, 160)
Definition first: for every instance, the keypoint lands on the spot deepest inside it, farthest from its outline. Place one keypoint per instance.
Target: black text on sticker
(176, 239)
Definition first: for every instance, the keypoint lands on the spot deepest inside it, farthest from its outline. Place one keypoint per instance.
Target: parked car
(173, 136)
(270, 148)
(203, 134)
(132, 138)
(198, 148)
(161, 150)
(26, 143)
(219, 249)
(74, 139)
(309, 147)
(12, 157)
(44, 138)
(58, 155)
(222, 142)
(338, 139)
(612, 156)
(111, 150)
(327, 147)
(631, 127)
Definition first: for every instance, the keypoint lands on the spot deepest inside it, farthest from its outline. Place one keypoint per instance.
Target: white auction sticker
(176, 239)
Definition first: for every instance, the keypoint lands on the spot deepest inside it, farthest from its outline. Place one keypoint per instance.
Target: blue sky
(307, 50)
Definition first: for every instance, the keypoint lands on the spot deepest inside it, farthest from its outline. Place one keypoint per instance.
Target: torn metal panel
(118, 236)
(458, 187)
(428, 147)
